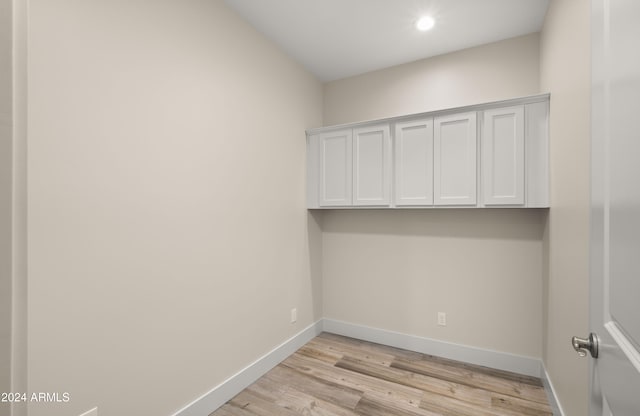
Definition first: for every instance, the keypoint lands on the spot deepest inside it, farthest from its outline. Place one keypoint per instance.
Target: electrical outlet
(442, 318)
(294, 315)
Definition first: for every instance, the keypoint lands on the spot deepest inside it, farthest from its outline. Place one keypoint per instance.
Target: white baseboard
(226, 390)
(472, 355)
(92, 412)
(551, 392)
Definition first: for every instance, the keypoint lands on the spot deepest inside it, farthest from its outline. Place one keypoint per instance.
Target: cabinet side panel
(313, 168)
(537, 154)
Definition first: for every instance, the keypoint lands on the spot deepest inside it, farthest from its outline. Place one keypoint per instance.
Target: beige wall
(396, 269)
(154, 139)
(168, 235)
(565, 72)
(5, 198)
(19, 359)
(491, 72)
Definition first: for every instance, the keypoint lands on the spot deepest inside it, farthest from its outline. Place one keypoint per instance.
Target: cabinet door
(503, 156)
(414, 163)
(455, 160)
(372, 166)
(335, 168)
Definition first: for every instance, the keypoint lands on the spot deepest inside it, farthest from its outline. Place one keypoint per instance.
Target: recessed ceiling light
(425, 23)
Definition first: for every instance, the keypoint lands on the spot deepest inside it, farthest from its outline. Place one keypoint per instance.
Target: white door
(615, 213)
(335, 168)
(372, 166)
(414, 163)
(455, 160)
(503, 156)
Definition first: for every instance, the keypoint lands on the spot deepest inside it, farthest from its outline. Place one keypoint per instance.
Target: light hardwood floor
(335, 375)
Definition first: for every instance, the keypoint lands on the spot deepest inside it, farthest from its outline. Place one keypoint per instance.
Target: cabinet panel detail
(335, 168)
(414, 163)
(503, 164)
(372, 166)
(455, 159)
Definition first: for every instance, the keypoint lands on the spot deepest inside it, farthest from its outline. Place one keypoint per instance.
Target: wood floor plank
(360, 352)
(416, 356)
(250, 403)
(514, 406)
(339, 376)
(373, 386)
(293, 399)
(492, 372)
(372, 347)
(369, 406)
(319, 354)
(473, 379)
(447, 406)
(419, 381)
(465, 393)
(323, 389)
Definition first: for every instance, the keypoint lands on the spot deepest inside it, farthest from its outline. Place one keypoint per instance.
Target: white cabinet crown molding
(530, 99)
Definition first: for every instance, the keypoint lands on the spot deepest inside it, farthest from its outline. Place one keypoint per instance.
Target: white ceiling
(339, 38)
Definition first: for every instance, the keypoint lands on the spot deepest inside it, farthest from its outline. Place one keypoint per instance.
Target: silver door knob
(584, 345)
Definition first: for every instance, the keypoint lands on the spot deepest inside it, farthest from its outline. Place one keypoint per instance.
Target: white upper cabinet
(335, 151)
(484, 155)
(414, 163)
(454, 160)
(350, 167)
(503, 159)
(372, 166)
